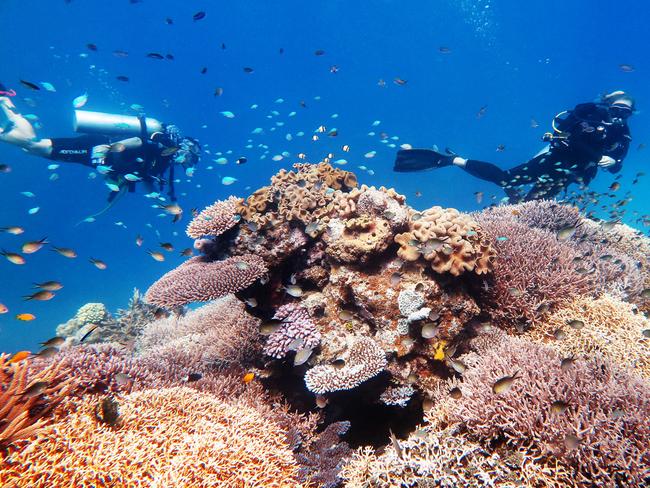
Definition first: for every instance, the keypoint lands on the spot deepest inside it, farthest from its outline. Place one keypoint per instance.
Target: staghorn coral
(605, 325)
(542, 214)
(452, 242)
(534, 272)
(296, 325)
(21, 416)
(215, 335)
(322, 459)
(174, 437)
(199, 281)
(599, 435)
(397, 396)
(215, 219)
(365, 360)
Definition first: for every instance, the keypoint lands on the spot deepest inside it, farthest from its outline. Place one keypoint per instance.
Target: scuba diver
(591, 136)
(124, 149)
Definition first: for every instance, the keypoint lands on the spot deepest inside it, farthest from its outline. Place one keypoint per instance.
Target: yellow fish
(19, 356)
(26, 317)
(158, 256)
(248, 377)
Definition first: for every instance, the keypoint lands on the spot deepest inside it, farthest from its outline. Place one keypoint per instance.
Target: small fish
(559, 334)
(122, 379)
(559, 406)
(534, 124)
(346, 315)
(131, 177)
(103, 169)
(321, 401)
(294, 290)
(248, 69)
(576, 324)
(192, 377)
(479, 196)
(118, 53)
(34, 246)
(167, 246)
(444, 50)
(93, 328)
(228, 180)
(98, 263)
(113, 186)
(187, 252)
(302, 356)
(396, 446)
(481, 112)
(319, 52)
(65, 252)
(248, 377)
(155, 56)
(33, 211)
(91, 46)
(395, 278)
(30, 85)
(504, 384)
(122, 78)
(198, 16)
(80, 101)
(566, 233)
(456, 365)
(26, 317)
(5, 168)
(158, 256)
(646, 333)
(19, 356)
(501, 148)
(48, 86)
(455, 393)
(14, 230)
(139, 240)
(626, 68)
(251, 302)
(42, 296)
(571, 441)
(429, 330)
(397, 81)
(35, 389)
(107, 411)
(172, 208)
(48, 352)
(53, 342)
(3, 308)
(13, 257)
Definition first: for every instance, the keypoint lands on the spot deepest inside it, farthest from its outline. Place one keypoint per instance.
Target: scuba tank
(89, 122)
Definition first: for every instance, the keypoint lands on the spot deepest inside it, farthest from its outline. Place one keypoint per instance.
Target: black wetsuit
(147, 161)
(587, 133)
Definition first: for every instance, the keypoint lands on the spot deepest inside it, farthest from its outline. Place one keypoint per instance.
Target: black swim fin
(408, 160)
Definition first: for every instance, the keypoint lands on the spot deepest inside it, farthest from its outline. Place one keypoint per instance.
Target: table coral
(174, 437)
(199, 281)
(215, 219)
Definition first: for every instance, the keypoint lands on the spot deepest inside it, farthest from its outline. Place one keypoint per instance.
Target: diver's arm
(618, 152)
(18, 131)
(131, 142)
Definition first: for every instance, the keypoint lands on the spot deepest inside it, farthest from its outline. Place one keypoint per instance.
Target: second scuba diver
(149, 156)
(591, 136)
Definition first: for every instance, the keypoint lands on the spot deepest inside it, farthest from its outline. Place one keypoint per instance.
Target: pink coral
(216, 219)
(296, 324)
(199, 281)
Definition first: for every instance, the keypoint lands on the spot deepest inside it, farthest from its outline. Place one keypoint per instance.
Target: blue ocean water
(519, 60)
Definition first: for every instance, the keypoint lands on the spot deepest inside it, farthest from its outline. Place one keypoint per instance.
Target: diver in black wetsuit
(149, 158)
(590, 136)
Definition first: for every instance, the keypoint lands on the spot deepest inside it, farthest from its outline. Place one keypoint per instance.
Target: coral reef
(87, 316)
(216, 219)
(26, 398)
(297, 328)
(591, 416)
(322, 460)
(605, 325)
(173, 437)
(199, 281)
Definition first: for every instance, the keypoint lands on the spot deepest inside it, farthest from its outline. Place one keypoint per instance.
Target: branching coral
(534, 272)
(605, 325)
(297, 326)
(87, 315)
(215, 335)
(590, 416)
(216, 219)
(541, 214)
(321, 460)
(451, 241)
(365, 360)
(26, 398)
(173, 437)
(200, 281)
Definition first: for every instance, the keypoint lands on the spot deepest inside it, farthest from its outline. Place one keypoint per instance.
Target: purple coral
(296, 325)
(199, 281)
(216, 219)
(366, 360)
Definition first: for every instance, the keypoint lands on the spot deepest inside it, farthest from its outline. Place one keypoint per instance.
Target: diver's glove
(99, 153)
(606, 162)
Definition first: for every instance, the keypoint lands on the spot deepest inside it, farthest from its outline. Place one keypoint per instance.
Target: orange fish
(3, 308)
(15, 230)
(248, 377)
(19, 356)
(65, 251)
(42, 296)
(26, 317)
(12, 257)
(156, 255)
(33, 246)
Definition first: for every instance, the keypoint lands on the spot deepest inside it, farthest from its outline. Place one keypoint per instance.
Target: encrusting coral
(174, 437)
(605, 325)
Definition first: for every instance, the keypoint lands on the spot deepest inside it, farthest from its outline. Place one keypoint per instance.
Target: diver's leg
(480, 169)
(18, 131)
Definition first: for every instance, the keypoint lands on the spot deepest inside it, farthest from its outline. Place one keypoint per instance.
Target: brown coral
(604, 325)
(23, 415)
(173, 437)
(200, 281)
(451, 241)
(357, 240)
(216, 219)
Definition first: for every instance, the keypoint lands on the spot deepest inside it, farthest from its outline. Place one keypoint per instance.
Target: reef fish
(503, 385)
(35, 389)
(26, 317)
(12, 257)
(98, 263)
(19, 356)
(42, 296)
(65, 252)
(33, 246)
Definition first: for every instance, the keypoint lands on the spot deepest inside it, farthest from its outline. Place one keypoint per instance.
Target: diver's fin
(420, 159)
